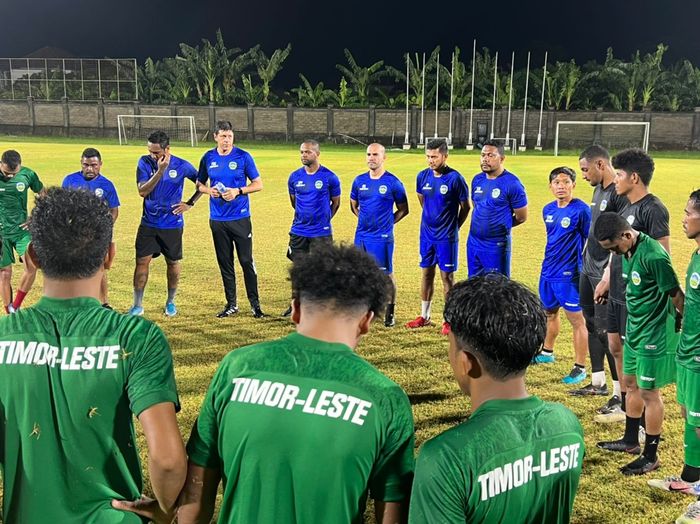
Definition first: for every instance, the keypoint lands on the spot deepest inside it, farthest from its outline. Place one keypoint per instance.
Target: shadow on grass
(419, 398)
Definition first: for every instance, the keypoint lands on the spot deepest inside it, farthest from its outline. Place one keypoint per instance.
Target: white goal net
(136, 128)
(577, 135)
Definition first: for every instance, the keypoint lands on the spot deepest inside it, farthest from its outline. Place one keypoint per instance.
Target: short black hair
(499, 321)
(609, 226)
(316, 145)
(339, 277)
(563, 169)
(91, 152)
(635, 161)
(159, 137)
(71, 232)
(11, 158)
(439, 144)
(223, 125)
(594, 152)
(497, 144)
(695, 199)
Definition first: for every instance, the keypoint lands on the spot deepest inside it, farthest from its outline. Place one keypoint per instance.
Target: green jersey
(301, 430)
(13, 200)
(71, 375)
(689, 346)
(651, 317)
(512, 461)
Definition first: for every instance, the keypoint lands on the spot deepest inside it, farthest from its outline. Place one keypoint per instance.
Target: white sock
(425, 308)
(598, 378)
(616, 388)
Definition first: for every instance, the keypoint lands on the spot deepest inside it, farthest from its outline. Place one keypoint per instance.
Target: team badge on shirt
(495, 193)
(172, 173)
(565, 222)
(694, 280)
(99, 192)
(382, 190)
(232, 165)
(443, 189)
(630, 220)
(636, 279)
(603, 205)
(318, 184)
(20, 186)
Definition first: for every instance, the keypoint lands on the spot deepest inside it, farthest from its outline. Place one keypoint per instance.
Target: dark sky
(372, 30)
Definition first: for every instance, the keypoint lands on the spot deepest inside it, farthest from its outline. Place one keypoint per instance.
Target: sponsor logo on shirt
(603, 205)
(565, 222)
(99, 192)
(364, 187)
(79, 358)
(172, 173)
(495, 193)
(213, 164)
(382, 190)
(318, 184)
(514, 474)
(323, 403)
(636, 279)
(443, 189)
(300, 183)
(427, 186)
(630, 220)
(646, 379)
(693, 414)
(478, 190)
(20, 186)
(232, 165)
(694, 280)
(549, 219)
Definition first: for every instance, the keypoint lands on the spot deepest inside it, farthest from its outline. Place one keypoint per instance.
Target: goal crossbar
(121, 128)
(645, 139)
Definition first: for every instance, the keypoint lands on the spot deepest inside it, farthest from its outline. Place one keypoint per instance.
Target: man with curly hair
(302, 429)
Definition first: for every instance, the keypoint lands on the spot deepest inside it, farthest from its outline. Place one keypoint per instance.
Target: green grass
(416, 359)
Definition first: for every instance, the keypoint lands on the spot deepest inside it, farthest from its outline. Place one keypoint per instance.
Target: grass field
(416, 359)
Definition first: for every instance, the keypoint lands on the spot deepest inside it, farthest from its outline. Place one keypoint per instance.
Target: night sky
(372, 30)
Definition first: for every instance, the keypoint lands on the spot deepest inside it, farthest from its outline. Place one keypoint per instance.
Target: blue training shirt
(313, 193)
(232, 171)
(375, 198)
(567, 231)
(158, 204)
(442, 196)
(100, 185)
(494, 201)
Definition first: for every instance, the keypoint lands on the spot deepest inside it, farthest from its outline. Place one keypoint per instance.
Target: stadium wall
(675, 131)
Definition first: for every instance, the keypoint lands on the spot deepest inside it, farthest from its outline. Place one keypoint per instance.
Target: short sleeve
(662, 270)
(66, 182)
(111, 196)
(439, 491)
(418, 183)
(143, 171)
(203, 173)
(399, 192)
(290, 184)
(34, 182)
(189, 171)
(462, 189)
(251, 170)
(353, 190)
(516, 195)
(656, 220)
(150, 379)
(585, 221)
(334, 185)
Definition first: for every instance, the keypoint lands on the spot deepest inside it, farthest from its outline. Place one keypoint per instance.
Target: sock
(171, 295)
(390, 309)
(690, 473)
(547, 352)
(643, 421)
(425, 308)
(598, 378)
(651, 445)
(19, 298)
(623, 400)
(631, 430)
(138, 297)
(581, 366)
(616, 388)
(692, 448)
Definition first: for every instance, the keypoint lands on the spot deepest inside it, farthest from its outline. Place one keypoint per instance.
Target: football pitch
(415, 359)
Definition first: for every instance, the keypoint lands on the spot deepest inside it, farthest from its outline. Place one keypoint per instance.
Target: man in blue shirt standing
(372, 200)
(444, 196)
(91, 179)
(229, 169)
(567, 221)
(314, 192)
(500, 204)
(160, 177)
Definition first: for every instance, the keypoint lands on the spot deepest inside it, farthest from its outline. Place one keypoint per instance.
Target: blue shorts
(559, 294)
(488, 257)
(444, 253)
(381, 250)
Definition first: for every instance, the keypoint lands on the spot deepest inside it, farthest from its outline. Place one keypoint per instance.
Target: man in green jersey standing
(15, 182)
(517, 458)
(301, 429)
(653, 299)
(72, 373)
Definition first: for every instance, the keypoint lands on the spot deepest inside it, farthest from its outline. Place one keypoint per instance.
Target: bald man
(372, 199)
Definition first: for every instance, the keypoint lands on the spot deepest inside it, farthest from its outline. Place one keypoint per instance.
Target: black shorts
(151, 242)
(617, 318)
(299, 244)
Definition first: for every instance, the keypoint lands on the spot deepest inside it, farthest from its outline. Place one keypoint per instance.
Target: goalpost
(613, 135)
(138, 127)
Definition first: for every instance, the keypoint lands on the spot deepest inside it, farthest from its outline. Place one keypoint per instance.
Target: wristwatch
(240, 191)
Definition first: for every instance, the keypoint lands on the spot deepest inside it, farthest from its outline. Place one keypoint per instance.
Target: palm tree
(312, 96)
(268, 68)
(208, 65)
(362, 79)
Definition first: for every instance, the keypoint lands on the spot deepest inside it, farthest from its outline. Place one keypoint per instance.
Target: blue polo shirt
(232, 171)
(158, 204)
(494, 202)
(442, 196)
(567, 231)
(313, 193)
(100, 185)
(376, 198)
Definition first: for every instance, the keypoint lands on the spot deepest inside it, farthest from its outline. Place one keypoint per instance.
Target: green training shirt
(651, 316)
(301, 429)
(71, 375)
(13, 200)
(689, 346)
(512, 461)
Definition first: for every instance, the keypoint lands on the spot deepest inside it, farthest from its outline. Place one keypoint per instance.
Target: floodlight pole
(493, 104)
(452, 84)
(406, 137)
(538, 146)
(510, 97)
(437, 91)
(422, 101)
(523, 147)
(470, 145)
